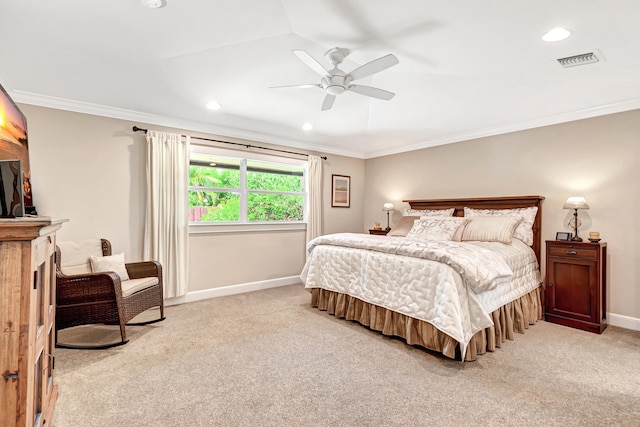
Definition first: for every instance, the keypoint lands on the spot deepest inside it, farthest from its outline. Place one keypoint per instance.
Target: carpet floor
(267, 358)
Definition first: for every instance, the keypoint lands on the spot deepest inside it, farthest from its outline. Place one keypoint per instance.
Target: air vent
(574, 61)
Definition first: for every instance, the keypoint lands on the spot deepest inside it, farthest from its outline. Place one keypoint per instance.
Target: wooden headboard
(490, 203)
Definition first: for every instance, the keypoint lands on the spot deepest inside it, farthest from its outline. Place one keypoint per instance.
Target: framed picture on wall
(340, 191)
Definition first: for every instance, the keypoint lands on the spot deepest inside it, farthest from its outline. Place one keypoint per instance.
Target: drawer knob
(571, 252)
(10, 375)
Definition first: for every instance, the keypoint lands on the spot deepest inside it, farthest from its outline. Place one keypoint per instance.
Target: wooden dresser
(27, 320)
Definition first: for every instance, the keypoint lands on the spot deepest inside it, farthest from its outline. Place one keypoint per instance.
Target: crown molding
(617, 107)
(153, 119)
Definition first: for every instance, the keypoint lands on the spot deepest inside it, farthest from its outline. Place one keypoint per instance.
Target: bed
(459, 298)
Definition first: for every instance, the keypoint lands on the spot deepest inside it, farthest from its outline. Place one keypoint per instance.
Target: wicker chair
(85, 298)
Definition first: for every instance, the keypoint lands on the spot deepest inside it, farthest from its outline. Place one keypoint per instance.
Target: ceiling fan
(335, 81)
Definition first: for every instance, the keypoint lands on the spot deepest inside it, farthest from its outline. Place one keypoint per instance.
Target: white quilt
(451, 285)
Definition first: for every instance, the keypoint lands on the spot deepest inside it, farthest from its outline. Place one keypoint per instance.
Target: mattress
(452, 285)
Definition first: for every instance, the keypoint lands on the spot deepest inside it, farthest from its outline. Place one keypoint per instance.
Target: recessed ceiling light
(213, 105)
(152, 4)
(556, 35)
(307, 126)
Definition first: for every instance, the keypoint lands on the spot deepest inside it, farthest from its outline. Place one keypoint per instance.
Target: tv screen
(14, 143)
(11, 189)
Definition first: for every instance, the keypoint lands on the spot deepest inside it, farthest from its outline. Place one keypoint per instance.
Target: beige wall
(91, 170)
(337, 220)
(596, 158)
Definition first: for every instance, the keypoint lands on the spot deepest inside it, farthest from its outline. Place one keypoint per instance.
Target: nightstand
(381, 232)
(576, 285)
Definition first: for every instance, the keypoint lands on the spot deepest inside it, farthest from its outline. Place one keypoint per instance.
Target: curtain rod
(137, 129)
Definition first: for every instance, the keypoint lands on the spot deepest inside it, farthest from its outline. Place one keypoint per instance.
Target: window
(235, 188)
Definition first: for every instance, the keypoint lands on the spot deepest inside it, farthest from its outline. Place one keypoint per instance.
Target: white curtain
(314, 219)
(166, 232)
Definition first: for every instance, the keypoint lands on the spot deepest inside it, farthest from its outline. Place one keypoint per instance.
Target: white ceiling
(467, 68)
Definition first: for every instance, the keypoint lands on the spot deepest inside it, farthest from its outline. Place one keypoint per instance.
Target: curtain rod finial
(137, 129)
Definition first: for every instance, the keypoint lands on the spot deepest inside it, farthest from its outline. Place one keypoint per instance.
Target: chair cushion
(105, 264)
(134, 285)
(74, 255)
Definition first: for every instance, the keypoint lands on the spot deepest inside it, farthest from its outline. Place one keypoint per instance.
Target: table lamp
(575, 203)
(387, 207)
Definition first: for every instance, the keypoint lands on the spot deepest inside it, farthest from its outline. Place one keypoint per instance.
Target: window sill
(243, 228)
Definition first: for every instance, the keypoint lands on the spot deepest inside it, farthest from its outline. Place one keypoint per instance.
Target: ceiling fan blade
(301, 86)
(311, 62)
(328, 102)
(373, 92)
(374, 66)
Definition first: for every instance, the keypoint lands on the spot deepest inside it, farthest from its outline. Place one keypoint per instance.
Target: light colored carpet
(268, 359)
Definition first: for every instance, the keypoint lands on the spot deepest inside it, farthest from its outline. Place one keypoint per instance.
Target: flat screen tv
(14, 144)
(11, 189)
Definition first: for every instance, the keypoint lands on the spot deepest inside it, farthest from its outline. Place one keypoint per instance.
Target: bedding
(429, 212)
(439, 282)
(438, 228)
(458, 298)
(524, 231)
(491, 229)
(403, 226)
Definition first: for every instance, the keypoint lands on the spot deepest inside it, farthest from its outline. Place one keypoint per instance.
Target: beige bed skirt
(515, 316)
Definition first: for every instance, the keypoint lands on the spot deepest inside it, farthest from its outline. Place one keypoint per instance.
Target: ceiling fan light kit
(152, 4)
(335, 82)
(334, 85)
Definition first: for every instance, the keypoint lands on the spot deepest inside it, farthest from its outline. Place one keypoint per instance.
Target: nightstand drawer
(572, 251)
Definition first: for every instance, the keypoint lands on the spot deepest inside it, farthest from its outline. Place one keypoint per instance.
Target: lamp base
(388, 228)
(576, 239)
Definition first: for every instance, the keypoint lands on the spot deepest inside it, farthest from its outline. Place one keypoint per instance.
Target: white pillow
(430, 212)
(403, 226)
(524, 231)
(438, 228)
(491, 229)
(105, 264)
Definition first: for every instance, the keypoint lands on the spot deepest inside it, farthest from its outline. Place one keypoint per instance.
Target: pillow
(524, 231)
(430, 212)
(436, 228)
(491, 228)
(105, 264)
(75, 255)
(402, 227)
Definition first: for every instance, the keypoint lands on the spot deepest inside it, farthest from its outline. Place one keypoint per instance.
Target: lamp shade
(576, 203)
(387, 207)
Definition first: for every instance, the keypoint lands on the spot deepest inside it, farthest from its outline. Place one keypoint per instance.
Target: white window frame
(243, 225)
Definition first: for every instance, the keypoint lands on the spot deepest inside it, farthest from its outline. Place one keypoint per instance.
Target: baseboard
(612, 319)
(623, 321)
(232, 290)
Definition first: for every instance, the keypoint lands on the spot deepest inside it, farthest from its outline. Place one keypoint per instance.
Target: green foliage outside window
(275, 207)
(208, 205)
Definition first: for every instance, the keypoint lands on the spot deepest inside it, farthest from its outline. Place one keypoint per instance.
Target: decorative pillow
(402, 227)
(75, 255)
(524, 231)
(105, 264)
(430, 212)
(491, 228)
(436, 228)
